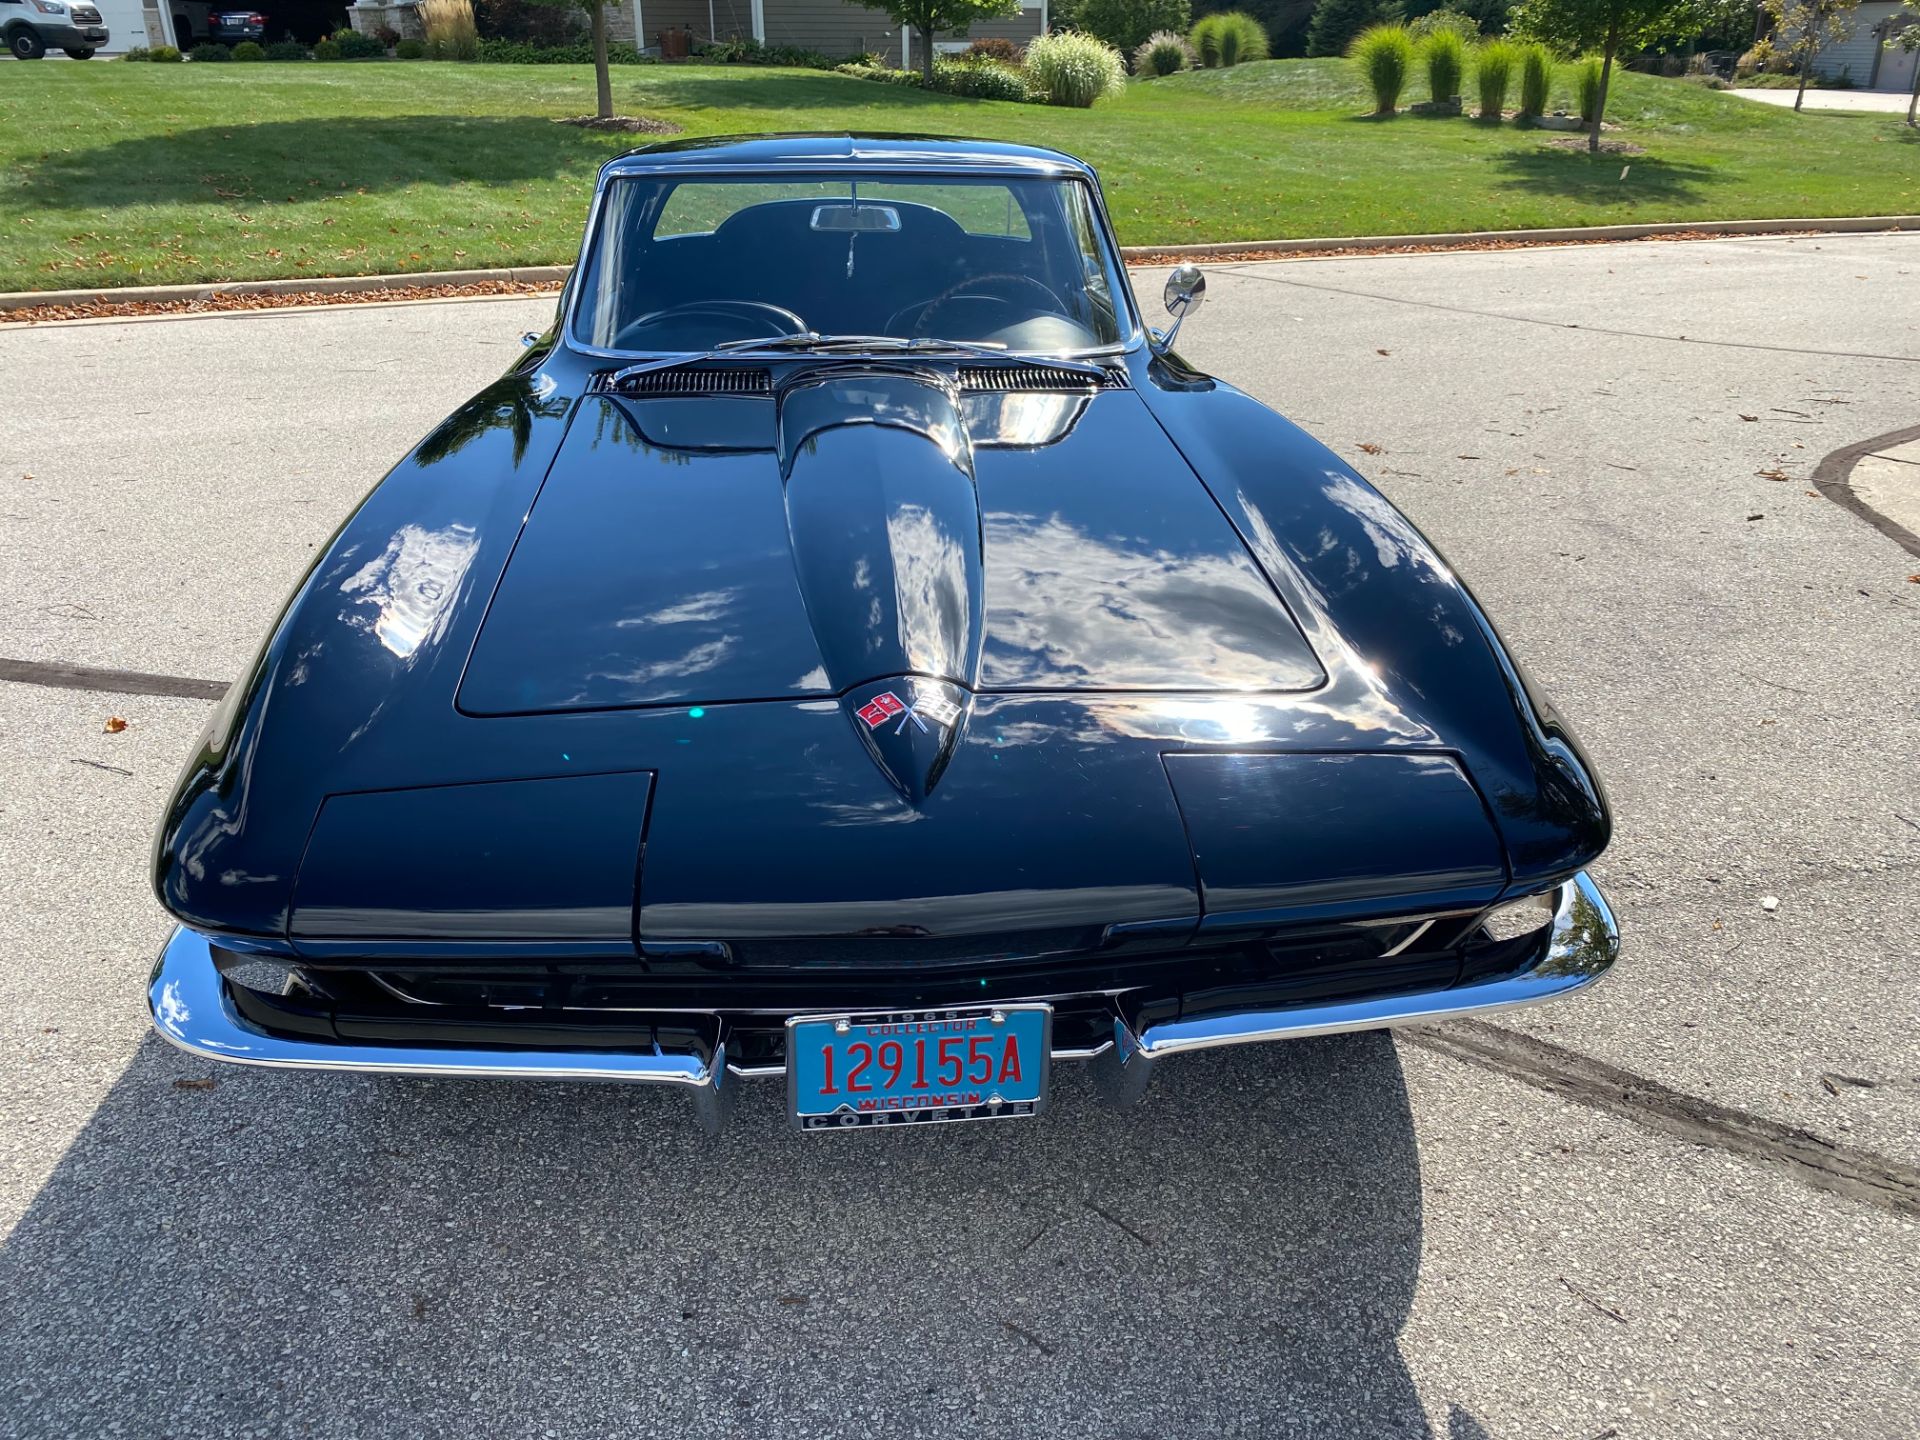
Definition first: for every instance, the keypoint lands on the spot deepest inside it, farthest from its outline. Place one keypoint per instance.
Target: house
(835, 28)
(1863, 56)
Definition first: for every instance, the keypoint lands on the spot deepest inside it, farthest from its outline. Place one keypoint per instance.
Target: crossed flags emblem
(926, 705)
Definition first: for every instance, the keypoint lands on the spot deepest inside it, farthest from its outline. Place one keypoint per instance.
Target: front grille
(1020, 379)
(689, 380)
(85, 15)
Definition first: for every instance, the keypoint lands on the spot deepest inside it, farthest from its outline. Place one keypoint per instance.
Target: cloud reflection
(411, 585)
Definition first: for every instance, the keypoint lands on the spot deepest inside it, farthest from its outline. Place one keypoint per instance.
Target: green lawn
(131, 174)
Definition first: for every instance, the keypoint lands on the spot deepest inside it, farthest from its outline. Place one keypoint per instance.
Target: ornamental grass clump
(1232, 37)
(1163, 53)
(1384, 54)
(1587, 84)
(1493, 73)
(1074, 69)
(1536, 80)
(450, 30)
(1445, 56)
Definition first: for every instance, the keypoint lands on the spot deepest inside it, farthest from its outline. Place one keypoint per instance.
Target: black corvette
(850, 647)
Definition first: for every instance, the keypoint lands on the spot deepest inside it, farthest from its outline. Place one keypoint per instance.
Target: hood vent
(1017, 379)
(690, 380)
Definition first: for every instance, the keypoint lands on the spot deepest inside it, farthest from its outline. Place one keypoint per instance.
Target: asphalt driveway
(1682, 1206)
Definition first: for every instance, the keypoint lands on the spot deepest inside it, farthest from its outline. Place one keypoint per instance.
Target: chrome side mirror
(1186, 288)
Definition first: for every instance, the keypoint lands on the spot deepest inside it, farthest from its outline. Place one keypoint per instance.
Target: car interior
(853, 266)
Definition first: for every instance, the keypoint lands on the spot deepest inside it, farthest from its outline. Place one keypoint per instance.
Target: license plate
(918, 1068)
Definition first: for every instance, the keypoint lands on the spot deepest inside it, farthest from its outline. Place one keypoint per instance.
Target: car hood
(868, 523)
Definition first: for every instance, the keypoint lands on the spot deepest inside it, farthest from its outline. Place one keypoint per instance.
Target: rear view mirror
(855, 218)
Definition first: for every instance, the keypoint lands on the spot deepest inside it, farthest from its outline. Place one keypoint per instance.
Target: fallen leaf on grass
(114, 725)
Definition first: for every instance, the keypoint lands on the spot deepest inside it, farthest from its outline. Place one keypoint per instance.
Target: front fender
(1374, 594)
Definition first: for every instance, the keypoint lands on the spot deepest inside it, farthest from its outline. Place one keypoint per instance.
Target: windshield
(691, 264)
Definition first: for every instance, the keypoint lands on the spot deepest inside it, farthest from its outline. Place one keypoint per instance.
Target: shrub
(164, 55)
(355, 46)
(1384, 54)
(980, 80)
(209, 50)
(1231, 37)
(516, 52)
(286, 50)
(1445, 55)
(1124, 24)
(1586, 81)
(136, 53)
(249, 50)
(1337, 24)
(1074, 69)
(994, 48)
(450, 31)
(327, 50)
(1536, 80)
(1493, 70)
(860, 70)
(1162, 54)
(409, 48)
(386, 35)
(1434, 21)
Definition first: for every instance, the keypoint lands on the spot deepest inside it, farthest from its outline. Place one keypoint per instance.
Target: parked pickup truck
(32, 27)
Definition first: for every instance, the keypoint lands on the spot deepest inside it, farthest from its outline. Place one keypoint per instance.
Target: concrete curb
(555, 274)
(1842, 225)
(315, 285)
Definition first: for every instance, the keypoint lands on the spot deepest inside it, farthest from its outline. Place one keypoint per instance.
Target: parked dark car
(33, 27)
(850, 647)
(230, 27)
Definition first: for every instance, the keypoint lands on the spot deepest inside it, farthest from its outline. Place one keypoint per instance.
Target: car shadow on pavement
(301, 161)
(224, 1250)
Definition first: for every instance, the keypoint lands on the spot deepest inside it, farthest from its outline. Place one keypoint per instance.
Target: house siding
(1854, 56)
(836, 28)
(1018, 28)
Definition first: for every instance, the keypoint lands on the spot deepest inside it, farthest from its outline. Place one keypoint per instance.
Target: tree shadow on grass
(300, 161)
(1577, 175)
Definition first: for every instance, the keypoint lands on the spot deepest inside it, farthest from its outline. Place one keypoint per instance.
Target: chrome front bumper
(193, 1008)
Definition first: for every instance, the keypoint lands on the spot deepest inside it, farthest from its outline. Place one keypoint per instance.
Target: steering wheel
(972, 288)
(751, 310)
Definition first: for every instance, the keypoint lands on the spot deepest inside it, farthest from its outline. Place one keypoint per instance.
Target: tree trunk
(602, 81)
(926, 59)
(1806, 69)
(1913, 100)
(1606, 78)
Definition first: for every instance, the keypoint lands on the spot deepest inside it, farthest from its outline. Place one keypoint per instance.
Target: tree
(940, 17)
(602, 80)
(1574, 26)
(1803, 28)
(1336, 22)
(1907, 37)
(1123, 24)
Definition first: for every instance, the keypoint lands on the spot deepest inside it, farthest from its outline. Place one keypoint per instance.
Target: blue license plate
(921, 1067)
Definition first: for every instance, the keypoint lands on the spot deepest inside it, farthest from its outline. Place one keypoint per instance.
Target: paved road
(1360, 1237)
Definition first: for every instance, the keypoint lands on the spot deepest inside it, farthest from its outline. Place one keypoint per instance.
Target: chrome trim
(1407, 944)
(1186, 288)
(1579, 947)
(193, 1009)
